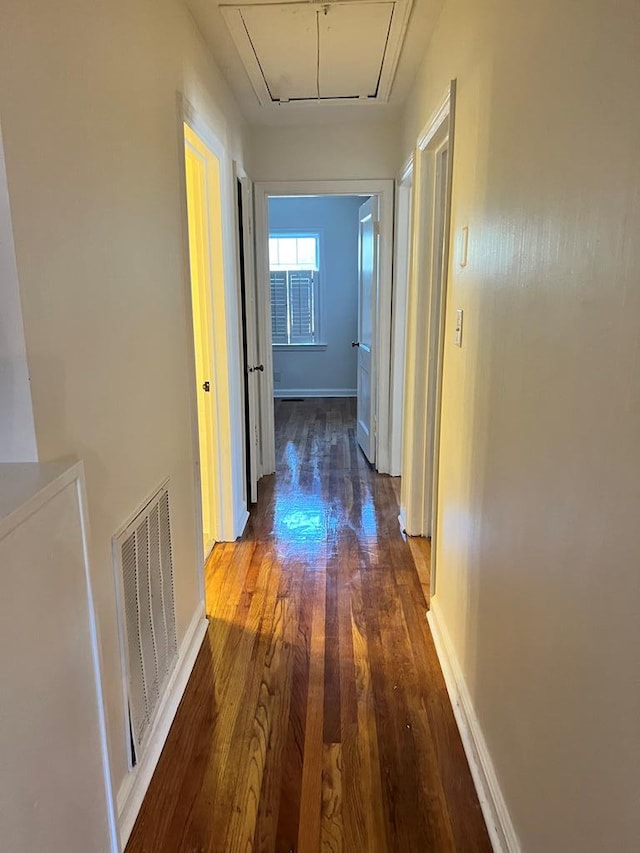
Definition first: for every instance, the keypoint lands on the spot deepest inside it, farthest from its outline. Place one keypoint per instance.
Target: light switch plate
(459, 327)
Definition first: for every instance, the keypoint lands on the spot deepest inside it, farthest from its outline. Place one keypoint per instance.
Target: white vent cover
(142, 552)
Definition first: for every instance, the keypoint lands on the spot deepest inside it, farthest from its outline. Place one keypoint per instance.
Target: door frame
(426, 311)
(368, 211)
(203, 332)
(248, 232)
(226, 372)
(384, 189)
(401, 270)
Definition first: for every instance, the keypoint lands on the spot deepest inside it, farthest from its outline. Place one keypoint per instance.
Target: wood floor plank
(311, 794)
(316, 717)
(363, 817)
(331, 830)
(279, 681)
(239, 806)
(332, 727)
(292, 761)
(421, 553)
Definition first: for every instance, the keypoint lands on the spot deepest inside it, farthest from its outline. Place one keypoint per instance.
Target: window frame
(319, 344)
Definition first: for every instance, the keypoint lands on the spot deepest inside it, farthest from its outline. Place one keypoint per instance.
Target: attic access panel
(307, 51)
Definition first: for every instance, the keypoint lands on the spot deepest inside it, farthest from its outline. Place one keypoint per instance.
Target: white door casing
(225, 369)
(402, 257)
(248, 231)
(366, 343)
(384, 191)
(436, 334)
(202, 169)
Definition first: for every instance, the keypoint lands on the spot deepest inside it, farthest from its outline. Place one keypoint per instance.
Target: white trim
(437, 337)
(247, 471)
(251, 326)
(437, 118)
(242, 516)
(265, 347)
(163, 486)
(384, 189)
(52, 478)
(280, 393)
(397, 32)
(401, 271)
(234, 21)
(135, 784)
(233, 378)
(405, 175)
(96, 654)
(299, 347)
(494, 808)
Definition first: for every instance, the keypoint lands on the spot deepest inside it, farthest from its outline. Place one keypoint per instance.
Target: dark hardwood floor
(316, 717)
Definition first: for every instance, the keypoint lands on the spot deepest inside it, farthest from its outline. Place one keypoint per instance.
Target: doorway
(401, 268)
(313, 271)
(368, 287)
(213, 318)
(427, 311)
(324, 283)
(247, 368)
(202, 174)
(273, 290)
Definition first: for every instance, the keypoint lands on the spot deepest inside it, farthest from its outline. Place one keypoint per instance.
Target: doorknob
(206, 386)
(355, 343)
(259, 367)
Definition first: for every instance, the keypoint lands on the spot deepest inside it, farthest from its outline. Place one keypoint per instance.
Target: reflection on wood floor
(316, 717)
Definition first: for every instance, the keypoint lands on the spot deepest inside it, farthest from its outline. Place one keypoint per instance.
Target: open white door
(205, 262)
(367, 300)
(249, 332)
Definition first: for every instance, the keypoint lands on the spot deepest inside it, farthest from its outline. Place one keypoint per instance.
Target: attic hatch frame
(232, 13)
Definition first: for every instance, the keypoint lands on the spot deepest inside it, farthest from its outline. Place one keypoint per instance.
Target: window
(294, 270)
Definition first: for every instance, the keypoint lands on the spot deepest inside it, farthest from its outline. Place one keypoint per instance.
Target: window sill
(299, 347)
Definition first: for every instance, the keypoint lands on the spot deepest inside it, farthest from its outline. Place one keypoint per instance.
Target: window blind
(279, 308)
(293, 296)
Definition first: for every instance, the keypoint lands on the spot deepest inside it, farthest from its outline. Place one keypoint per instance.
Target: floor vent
(142, 552)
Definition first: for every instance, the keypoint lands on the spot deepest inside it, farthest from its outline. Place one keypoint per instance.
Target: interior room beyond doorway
(313, 266)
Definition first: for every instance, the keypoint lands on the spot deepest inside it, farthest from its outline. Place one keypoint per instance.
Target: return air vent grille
(147, 613)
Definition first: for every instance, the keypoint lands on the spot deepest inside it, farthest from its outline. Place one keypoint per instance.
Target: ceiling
(304, 62)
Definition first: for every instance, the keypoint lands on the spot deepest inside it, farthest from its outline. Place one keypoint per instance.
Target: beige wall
(88, 106)
(538, 576)
(324, 151)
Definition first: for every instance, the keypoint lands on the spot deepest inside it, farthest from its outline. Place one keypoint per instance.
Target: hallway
(316, 717)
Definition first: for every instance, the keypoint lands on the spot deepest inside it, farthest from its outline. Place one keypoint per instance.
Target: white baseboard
(134, 785)
(242, 516)
(279, 393)
(494, 808)
(405, 525)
